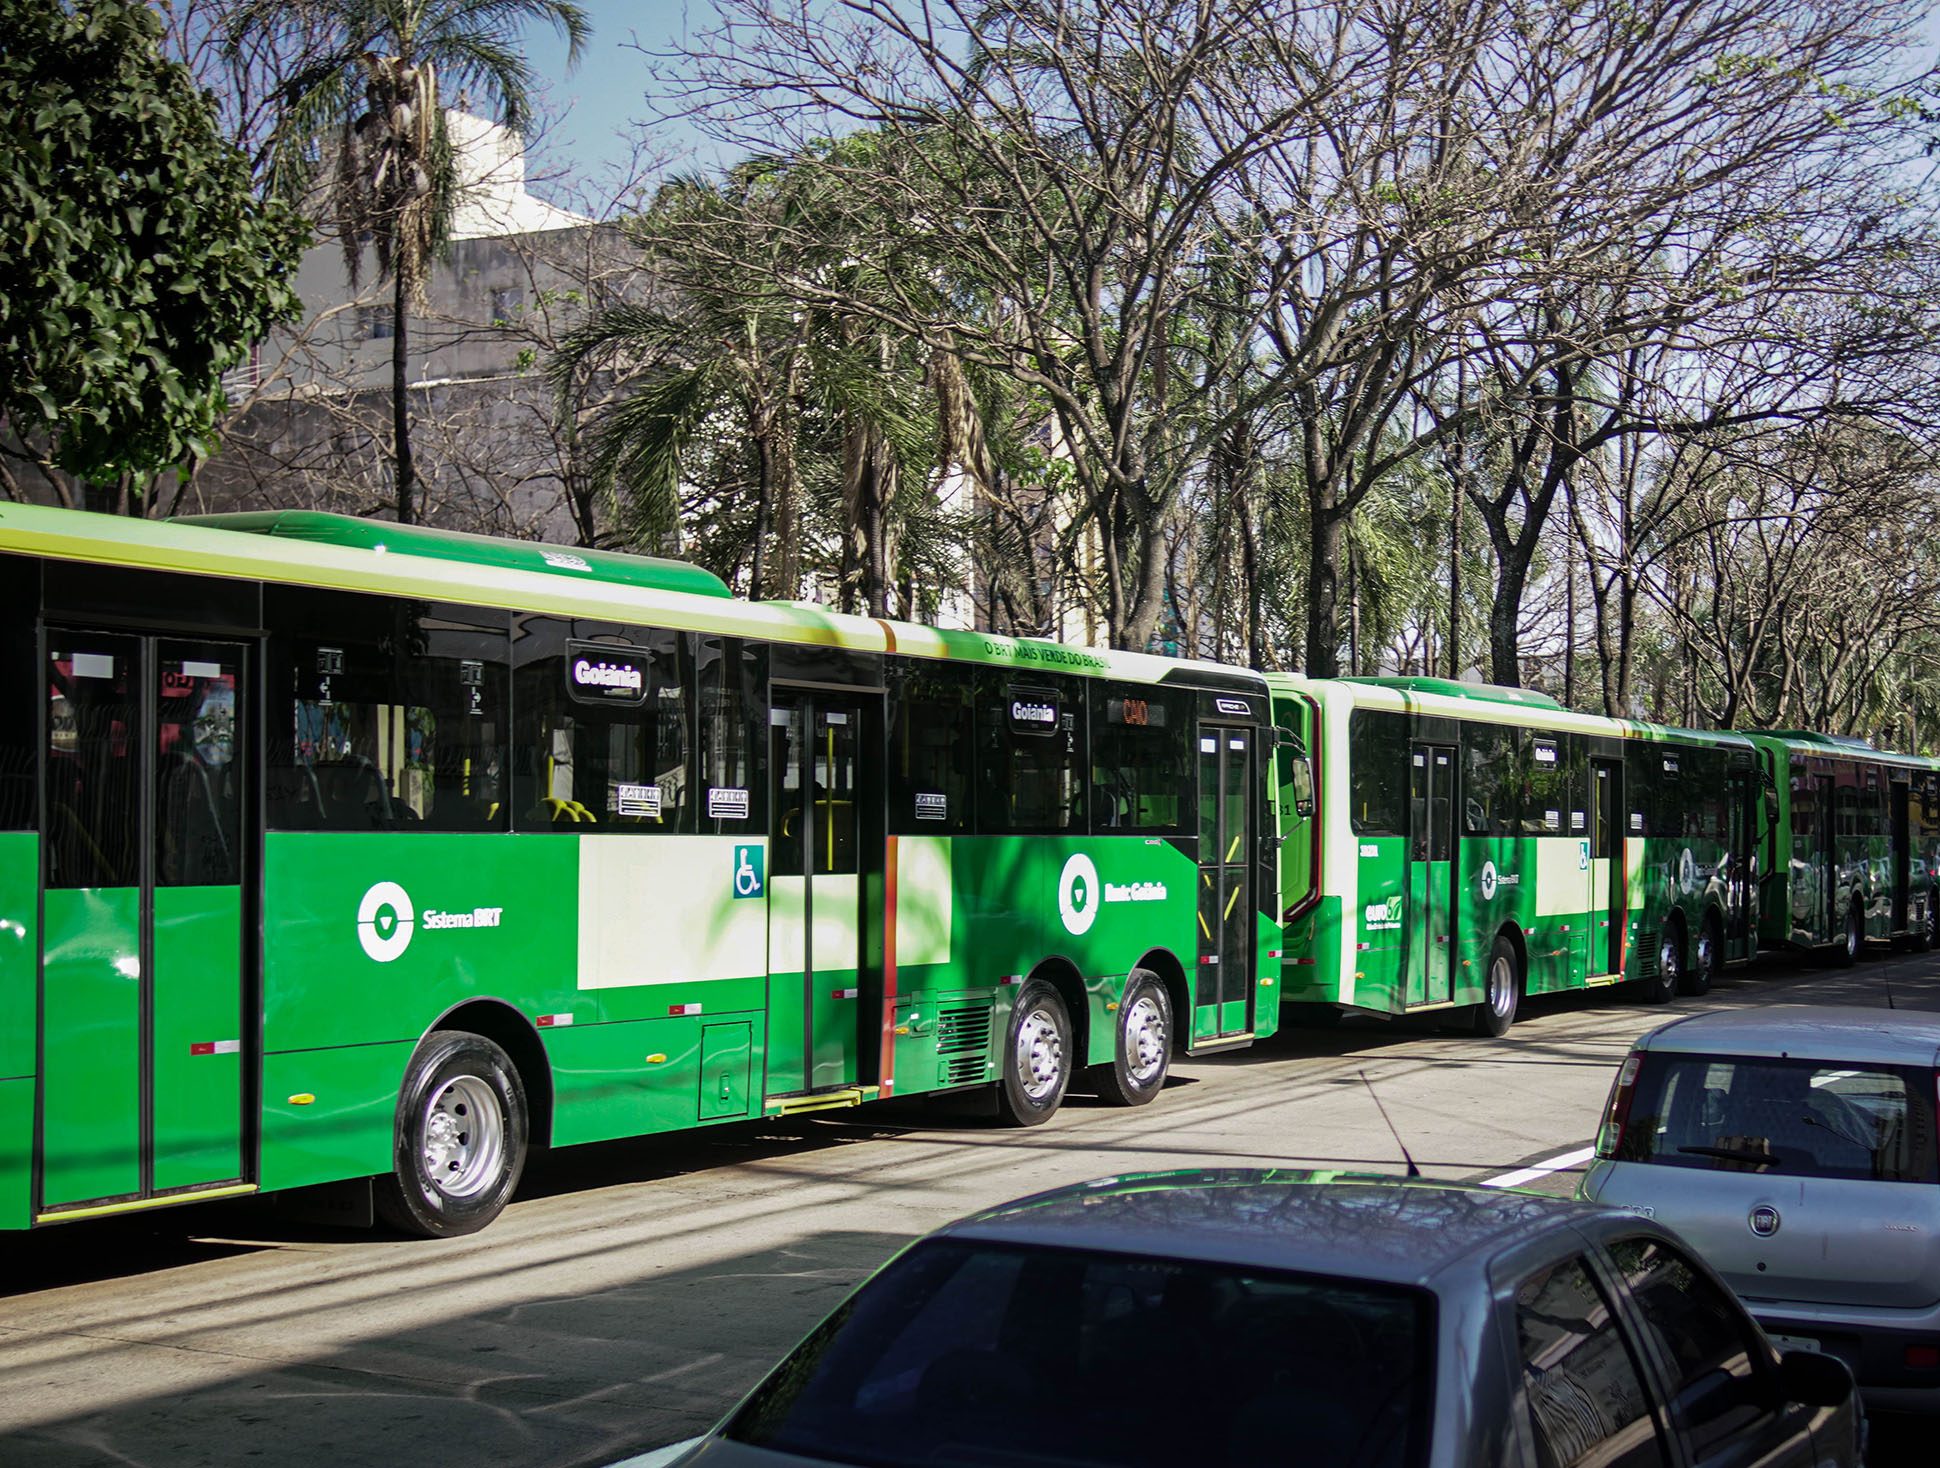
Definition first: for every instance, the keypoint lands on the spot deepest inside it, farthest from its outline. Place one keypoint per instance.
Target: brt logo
(385, 921)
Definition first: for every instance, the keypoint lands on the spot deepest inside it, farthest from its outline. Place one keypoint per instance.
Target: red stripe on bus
(887, 1068)
(203, 1047)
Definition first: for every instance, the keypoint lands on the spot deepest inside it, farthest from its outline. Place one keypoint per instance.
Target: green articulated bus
(332, 850)
(1856, 846)
(1475, 844)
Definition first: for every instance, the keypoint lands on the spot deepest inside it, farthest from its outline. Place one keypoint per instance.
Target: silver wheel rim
(1933, 919)
(1706, 955)
(1145, 1040)
(1667, 959)
(1040, 1055)
(1852, 934)
(1501, 987)
(463, 1137)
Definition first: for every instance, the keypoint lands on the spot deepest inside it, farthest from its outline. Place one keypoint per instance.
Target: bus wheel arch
(459, 1138)
(513, 1033)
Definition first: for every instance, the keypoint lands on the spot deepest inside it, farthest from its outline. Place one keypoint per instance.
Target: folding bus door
(144, 780)
(1431, 873)
(1609, 881)
(815, 896)
(1223, 996)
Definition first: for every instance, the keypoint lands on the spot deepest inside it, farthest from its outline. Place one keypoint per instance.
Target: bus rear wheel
(1037, 1057)
(1143, 1051)
(1927, 935)
(1502, 991)
(1708, 959)
(462, 1123)
(1669, 977)
(1851, 942)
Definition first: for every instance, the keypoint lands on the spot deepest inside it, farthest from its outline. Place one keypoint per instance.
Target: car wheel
(461, 1138)
(1670, 966)
(1143, 1053)
(1037, 1056)
(1707, 961)
(1502, 990)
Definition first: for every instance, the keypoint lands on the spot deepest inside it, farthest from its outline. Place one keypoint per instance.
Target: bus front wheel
(462, 1122)
(1143, 1052)
(1037, 1056)
(1502, 992)
(1708, 959)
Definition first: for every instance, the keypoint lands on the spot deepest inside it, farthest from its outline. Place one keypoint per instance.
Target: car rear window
(1803, 1118)
(973, 1353)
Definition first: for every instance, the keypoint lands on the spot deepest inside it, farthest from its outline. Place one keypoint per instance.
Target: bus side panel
(369, 938)
(1312, 968)
(330, 1114)
(624, 1080)
(19, 952)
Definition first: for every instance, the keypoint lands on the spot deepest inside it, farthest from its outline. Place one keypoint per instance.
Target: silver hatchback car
(1795, 1149)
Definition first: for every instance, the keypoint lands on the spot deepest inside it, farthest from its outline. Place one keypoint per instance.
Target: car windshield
(968, 1354)
(1802, 1118)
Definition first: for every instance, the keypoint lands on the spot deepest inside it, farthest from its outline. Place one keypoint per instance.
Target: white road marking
(1542, 1169)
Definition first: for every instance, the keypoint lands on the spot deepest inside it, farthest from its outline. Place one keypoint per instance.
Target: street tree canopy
(140, 264)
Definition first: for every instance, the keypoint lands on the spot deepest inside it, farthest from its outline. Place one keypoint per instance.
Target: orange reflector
(303, 1098)
(656, 1060)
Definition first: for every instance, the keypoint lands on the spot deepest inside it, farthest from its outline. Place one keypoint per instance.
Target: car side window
(1585, 1397)
(1712, 1350)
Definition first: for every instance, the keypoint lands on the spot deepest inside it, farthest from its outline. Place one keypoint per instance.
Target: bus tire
(1670, 966)
(462, 1126)
(1707, 960)
(1852, 942)
(1142, 1052)
(1928, 933)
(1502, 988)
(1037, 1057)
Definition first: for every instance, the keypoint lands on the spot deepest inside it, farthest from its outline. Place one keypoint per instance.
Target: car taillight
(1611, 1136)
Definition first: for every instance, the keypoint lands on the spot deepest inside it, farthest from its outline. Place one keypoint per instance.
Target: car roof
(1816, 1032)
(1360, 1225)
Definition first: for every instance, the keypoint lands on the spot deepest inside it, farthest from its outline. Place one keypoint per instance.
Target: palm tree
(371, 101)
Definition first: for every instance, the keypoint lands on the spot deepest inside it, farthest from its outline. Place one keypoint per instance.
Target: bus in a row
(358, 858)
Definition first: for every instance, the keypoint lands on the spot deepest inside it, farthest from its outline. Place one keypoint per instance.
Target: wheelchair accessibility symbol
(747, 871)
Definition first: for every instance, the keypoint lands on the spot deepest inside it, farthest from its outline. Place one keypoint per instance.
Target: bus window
(603, 728)
(1491, 783)
(732, 678)
(1377, 772)
(930, 745)
(1030, 755)
(1141, 759)
(385, 715)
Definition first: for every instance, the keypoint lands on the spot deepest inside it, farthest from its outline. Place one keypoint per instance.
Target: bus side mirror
(1301, 770)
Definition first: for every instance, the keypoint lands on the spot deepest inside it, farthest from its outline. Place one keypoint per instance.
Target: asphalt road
(635, 1289)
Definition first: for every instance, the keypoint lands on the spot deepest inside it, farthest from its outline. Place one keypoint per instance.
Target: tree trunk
(1327, 527)
(405, 478)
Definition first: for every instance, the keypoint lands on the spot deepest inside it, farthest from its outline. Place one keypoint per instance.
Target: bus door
(1609, 871)
(1824, 873)
(1899, 853)
(144, 777)
(1741, 788)
(1223, 998)
(1431, 873)
(815, 899)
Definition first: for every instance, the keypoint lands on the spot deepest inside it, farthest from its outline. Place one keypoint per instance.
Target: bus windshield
(965, 1352)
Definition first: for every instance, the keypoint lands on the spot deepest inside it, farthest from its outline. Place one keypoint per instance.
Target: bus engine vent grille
(964, 1030)
(961, 1070)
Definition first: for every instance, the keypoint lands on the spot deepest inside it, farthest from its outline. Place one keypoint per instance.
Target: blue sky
(607, 91)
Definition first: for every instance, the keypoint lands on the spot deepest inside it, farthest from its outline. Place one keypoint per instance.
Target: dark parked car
(1247, 1317)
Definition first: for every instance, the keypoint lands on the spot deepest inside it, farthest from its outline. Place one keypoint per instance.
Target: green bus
(342, 855)
(1475, 844)
(1855, 846)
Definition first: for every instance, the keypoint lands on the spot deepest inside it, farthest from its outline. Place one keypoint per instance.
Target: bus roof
(581, 563)
(1449, 688)
(207, 546)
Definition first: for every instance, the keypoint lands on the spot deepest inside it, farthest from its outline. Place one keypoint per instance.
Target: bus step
(821, 1101)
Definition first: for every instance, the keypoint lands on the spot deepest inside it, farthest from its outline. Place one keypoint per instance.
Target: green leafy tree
(140, 265)
(370, 110)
